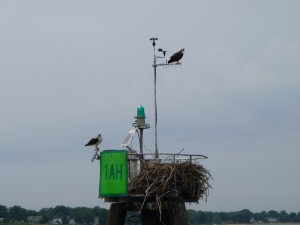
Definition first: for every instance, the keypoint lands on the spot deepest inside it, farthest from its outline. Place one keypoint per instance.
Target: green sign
(113, 173)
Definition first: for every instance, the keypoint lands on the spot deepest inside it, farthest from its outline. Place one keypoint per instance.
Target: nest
(187, 180)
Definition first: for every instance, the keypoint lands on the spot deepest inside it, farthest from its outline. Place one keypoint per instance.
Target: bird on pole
(176, 56)
(95, 141)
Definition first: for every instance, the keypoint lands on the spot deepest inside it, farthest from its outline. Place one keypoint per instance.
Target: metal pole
(141, 141)
(155, 109)
(155, 106)
(141, 150)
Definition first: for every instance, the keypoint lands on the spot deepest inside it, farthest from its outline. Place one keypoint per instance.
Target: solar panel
(128, 137)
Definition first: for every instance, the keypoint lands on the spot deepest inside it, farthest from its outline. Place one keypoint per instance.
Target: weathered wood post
(117, 214)
(177, 213)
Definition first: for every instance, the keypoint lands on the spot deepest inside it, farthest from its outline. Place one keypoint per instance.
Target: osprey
(95, 141)
(176, 56)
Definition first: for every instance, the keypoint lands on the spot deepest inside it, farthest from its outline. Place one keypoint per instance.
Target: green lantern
(140, 111)
(140, 116)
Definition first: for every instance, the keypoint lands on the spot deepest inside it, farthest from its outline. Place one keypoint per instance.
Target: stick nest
(187, 180)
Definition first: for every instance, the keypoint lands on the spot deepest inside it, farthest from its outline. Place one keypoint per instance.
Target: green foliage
(60, 211)
(84, 215)
(3, 211)
(17, 213)
(243, 216)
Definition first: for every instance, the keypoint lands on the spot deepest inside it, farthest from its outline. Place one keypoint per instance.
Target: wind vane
(174, 60)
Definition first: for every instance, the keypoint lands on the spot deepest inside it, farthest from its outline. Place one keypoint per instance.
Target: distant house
(34, 219)
(272, 220)
(1, 220)
(96, 220)
(72, 222)
(56, 221)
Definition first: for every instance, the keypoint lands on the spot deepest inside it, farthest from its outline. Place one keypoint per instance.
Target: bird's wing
(93, 141)
(175, 57)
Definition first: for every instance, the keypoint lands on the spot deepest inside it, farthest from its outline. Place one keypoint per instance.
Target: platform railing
(136, 160)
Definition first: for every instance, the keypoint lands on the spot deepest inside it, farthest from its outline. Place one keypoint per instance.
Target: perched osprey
(176, 56)
(95, 141)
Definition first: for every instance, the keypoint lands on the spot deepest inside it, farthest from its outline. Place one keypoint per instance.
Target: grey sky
(72, 69)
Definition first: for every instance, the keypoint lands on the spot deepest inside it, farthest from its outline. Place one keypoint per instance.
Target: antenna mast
(155, 65)
(155, 103)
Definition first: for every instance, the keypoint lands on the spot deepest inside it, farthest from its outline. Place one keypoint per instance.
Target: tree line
(243, 216)
(81, 215)
(84, 215)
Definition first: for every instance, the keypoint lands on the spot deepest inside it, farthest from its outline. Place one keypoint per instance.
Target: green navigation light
(140, 111)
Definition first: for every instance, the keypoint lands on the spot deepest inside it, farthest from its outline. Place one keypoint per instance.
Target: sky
(72, 69)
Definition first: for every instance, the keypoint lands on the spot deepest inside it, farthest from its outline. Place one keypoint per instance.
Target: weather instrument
(174, 60)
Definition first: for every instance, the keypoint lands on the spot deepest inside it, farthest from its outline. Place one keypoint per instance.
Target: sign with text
(113, 173)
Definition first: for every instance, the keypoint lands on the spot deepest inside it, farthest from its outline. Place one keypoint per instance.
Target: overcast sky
(72, 69)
